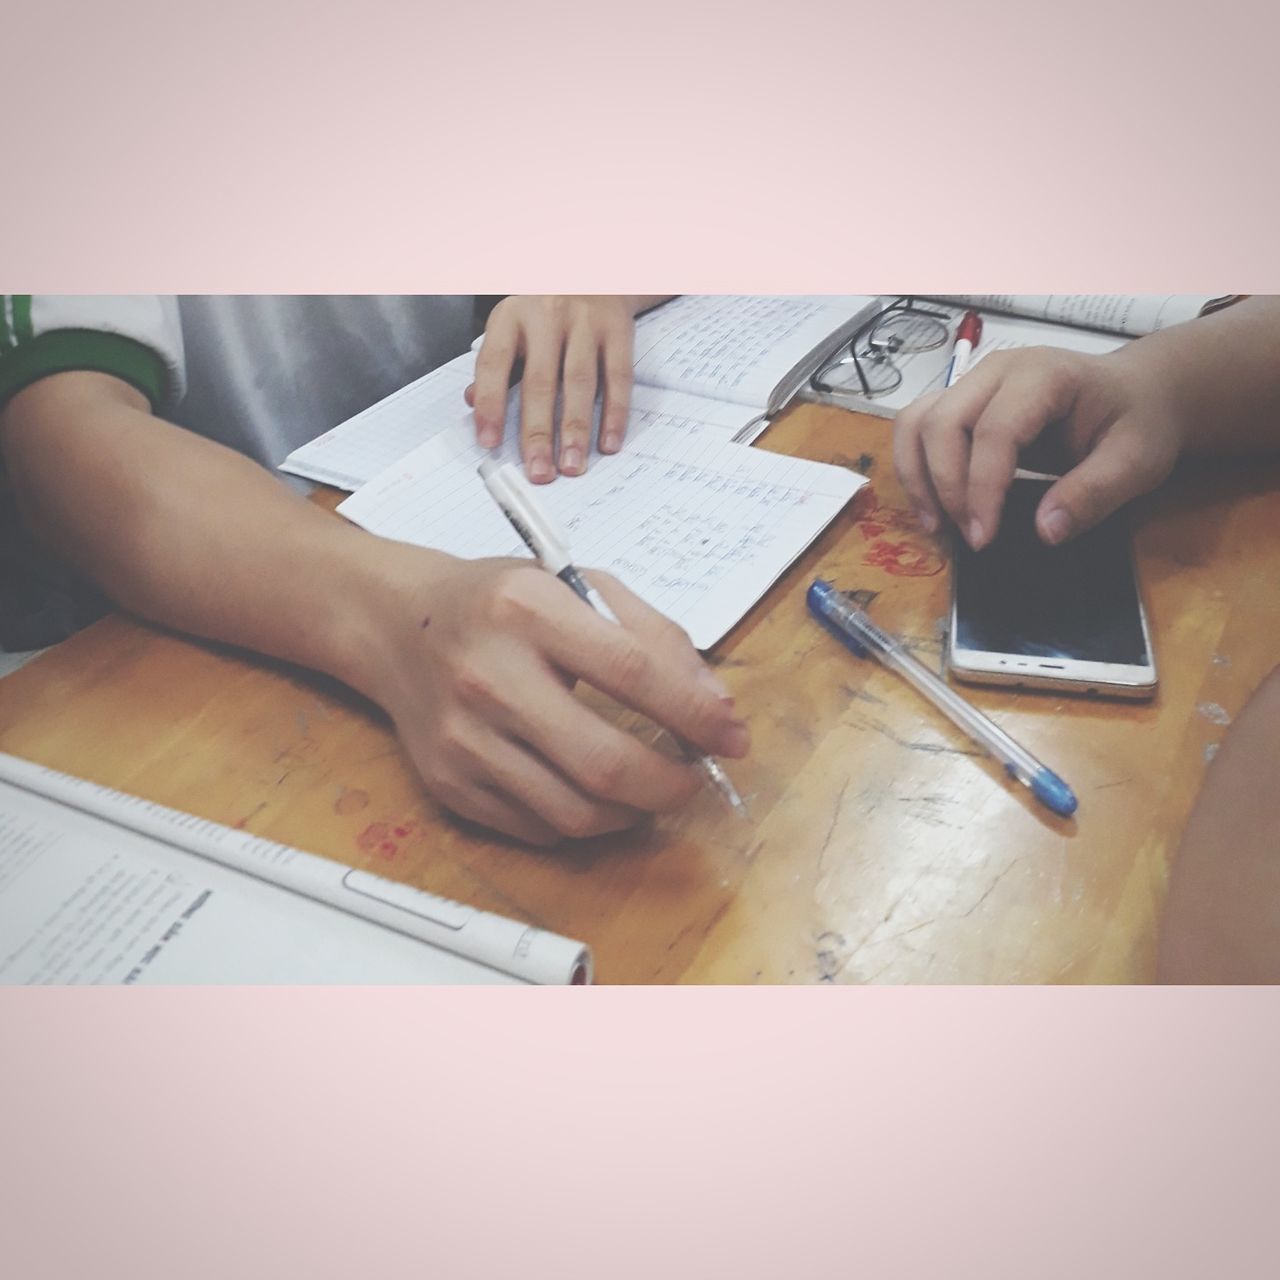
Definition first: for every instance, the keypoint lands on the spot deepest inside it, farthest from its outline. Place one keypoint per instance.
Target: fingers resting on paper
(567, 351)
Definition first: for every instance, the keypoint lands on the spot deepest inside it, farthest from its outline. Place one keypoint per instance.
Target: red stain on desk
(383, 839)
(875, 518)
(902, 557)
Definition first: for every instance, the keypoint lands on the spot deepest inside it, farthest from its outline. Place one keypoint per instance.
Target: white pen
(968, 335)
(550, 544)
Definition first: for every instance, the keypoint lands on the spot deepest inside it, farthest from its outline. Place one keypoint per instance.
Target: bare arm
(1211, 385)
(1225, 371)
(473, 660)
(184, 531)
(1222, 919)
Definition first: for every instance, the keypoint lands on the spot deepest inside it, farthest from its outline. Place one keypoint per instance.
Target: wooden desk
(884, 848)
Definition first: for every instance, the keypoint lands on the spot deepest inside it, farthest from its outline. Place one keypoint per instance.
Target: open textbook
(1087, 322)
(99, 887)
(694, 524)
(742, 357)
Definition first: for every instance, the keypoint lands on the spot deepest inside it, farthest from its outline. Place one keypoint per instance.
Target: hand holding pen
(478, 675)
(550, 545)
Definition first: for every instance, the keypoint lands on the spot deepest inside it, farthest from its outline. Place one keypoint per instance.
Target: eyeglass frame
(905, 304)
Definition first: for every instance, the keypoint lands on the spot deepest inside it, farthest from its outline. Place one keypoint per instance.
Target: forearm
(1223, 373)
(1222, 918)
(188, 533)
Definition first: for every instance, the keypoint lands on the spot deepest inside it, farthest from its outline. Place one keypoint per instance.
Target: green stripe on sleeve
(22, 318)
(68, 350)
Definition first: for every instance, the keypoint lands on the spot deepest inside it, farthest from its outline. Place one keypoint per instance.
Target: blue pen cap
(1053, 793)
(827, 604)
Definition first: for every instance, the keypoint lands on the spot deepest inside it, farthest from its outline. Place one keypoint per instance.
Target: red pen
(967, 337)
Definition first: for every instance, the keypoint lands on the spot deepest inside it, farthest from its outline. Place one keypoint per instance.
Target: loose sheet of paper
(737, 348)
(697, 526)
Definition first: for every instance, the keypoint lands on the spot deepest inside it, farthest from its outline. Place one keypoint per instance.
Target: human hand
(569, 340)
(956, 450)
(477, 674)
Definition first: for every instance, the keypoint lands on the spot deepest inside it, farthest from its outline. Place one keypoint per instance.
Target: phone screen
(1077, 601)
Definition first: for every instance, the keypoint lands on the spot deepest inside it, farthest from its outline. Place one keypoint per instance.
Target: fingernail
(610, 442)
(975, 534)
(490, 437)
(540, 469)
(571, 460)
(736, 741)
(928, 519)
(714, 684)
(1054, 526)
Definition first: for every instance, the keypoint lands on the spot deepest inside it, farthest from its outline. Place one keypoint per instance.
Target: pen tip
(724, 785)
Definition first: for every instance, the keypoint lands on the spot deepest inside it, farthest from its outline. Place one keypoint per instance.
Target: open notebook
(694, 524)
(756, 351)
(1087, 322)
(99, 887)
(742, 357)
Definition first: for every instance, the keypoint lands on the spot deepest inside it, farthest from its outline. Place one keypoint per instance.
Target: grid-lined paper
(727, 353)
(695, 525)
(356, 450)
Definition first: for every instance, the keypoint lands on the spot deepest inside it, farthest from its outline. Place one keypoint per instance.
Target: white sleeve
(151, 319)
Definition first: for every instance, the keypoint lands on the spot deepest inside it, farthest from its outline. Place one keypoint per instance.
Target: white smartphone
(1068, 617)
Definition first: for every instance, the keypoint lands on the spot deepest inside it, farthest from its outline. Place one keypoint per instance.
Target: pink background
(997, 1134)
(379, 146)
(723, 145)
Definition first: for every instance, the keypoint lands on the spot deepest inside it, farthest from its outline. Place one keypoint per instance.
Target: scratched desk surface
(884, 848)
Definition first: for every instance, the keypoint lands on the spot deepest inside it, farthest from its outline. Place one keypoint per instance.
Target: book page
(738, 348)
(84, 903)
(377, 917)
(355, 451)
(696, 526)
(1130, 315)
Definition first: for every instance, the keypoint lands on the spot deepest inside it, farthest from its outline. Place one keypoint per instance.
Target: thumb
(1108, 477)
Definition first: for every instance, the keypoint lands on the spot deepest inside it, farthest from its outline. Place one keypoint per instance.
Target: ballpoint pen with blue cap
(857, 632)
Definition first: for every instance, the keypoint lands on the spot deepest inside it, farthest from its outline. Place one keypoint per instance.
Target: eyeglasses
(902, 328)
